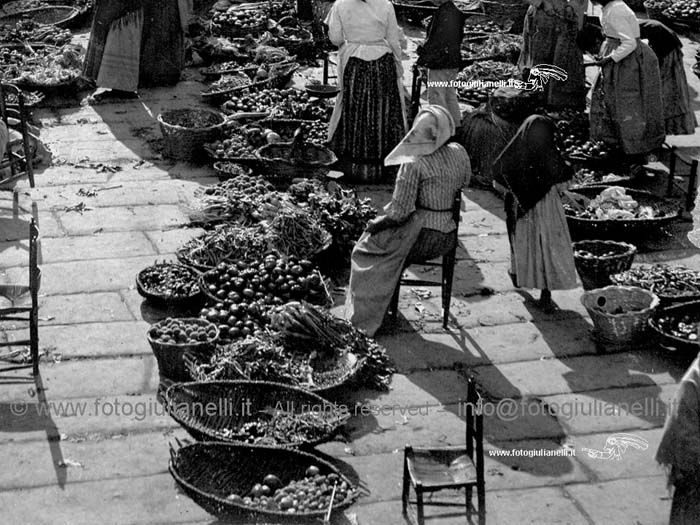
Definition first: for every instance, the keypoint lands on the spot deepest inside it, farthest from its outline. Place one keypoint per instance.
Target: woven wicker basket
(670, 341)
(620, 329)
(209, 472)
(232, 31)
(595, 271)
(258, 397)
(159, 299)
(228, 170)
(275, 159)
(59, 16)
(218, 96)
(170, 357)
(182, 143)
(514, 10)
(301, 45)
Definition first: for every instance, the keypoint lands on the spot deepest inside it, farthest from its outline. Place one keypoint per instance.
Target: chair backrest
(457, 207)
(14, 115)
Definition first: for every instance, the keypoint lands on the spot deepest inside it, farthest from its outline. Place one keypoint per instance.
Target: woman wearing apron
(417, 224)
(626, 108)
(369, 119)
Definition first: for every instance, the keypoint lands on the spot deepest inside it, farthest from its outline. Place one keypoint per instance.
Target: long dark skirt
(162, 43)
(371, 122)
(685, 509)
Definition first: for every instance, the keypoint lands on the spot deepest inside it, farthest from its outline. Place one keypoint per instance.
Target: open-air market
(355, 262)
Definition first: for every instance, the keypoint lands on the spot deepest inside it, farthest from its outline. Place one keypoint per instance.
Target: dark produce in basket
(303, 325)
(494, 45)
(281, 103)
(588, 149)
(227, 83)
(242, 293)
(586, 176)
(684, 10)
(312, 493)
(686, 327)
(192, 119)
(663, 280)
(277, 427)
(315, 132)
(30, 31)
(236, 146)
(242, 20)
(252, 101)
(230, 170)
(170, 281)
(179, 331)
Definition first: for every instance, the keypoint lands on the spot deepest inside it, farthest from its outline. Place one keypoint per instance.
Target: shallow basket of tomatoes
(169, 285)
(678, 327)
(218, 475)
(170, 351)
(597, 260)
(295, 417)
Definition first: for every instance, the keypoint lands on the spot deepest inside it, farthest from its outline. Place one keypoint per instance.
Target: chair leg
(394, 304)
(448, 270)
(671, 173)
(420, 514)
(468, 503)
(34, 342)
(405, 492)
(481, 496)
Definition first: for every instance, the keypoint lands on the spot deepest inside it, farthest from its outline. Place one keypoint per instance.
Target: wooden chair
(448, 270)
(420, 77)
(18, 155)
(430, 470)
(30, 313)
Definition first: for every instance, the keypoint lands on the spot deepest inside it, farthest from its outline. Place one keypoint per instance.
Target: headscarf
(679, 449)
(511, 104)
(432, 128)
(530, 165)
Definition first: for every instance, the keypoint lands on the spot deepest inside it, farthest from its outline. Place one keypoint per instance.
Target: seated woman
(417, 224)
(529, 170)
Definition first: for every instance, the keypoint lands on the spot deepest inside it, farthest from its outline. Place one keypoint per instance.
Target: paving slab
(83, 420)
(91, 378)
(138, 500)
(99, 275)
(640, 500)
(16, 227)
(613, 410)
(487, 248)
(82, 308)
(578, 374)
(170, 241)
(129, 218)
(123, 150)
(92, 340)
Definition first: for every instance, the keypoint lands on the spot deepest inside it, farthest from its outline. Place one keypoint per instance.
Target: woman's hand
(380, 223)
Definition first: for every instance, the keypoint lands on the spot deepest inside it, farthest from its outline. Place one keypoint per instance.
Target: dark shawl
(662, 40)
(530, 165)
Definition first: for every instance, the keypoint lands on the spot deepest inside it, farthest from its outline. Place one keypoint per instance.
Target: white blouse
(369, 27)
(620, 22)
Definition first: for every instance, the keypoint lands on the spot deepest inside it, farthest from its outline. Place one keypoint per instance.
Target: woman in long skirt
(368, 119)
(530, 169)
(417, 224)
(626, 107)
(135, 43)
(679, 117)
(549, 38)
(679, 450)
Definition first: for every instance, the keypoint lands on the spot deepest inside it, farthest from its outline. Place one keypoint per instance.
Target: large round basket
(315, 161)
(167, 300)
(59, 16)
(210, 472)
(170, 357)
(226, 170)
(181, 143)
(247, 401)
(237, 81)
(620, 314)
(300, 44)
(623, 230)
(596, 261)
(689, 311)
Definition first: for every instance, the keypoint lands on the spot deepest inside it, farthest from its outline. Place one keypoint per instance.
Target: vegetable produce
(294, 231)
(243, 292)
(30, 31)
(224, 244)
(588, 176)
(227, 83)
(486, 26)
(182, 332)
(590, 149)
(234, 147)
(193, 119)
(614, 203)
(315, 492)
(686, 327)
(495, 45)
(315, 132)
(230, 169)
(661, 279)
(684, 10)
(242, 19)
(489, 70)
(305, 327)
(585, 254)
(282, 103)
(169, 280)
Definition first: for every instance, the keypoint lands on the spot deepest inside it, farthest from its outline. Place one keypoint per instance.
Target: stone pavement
(108, 464)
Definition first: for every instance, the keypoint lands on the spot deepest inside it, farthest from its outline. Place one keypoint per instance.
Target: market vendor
(369, 117)
(532, 172)
(417, 224)
(442, 56)
(135, 43)
(679, 117)
(627, 106)
(679, 450)
(549, 38)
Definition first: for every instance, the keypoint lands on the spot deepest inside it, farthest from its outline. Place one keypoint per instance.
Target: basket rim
(630, 249)
(201, 110)
(73, 12)
(652, 322)
(184, 346)
(660, 294)
(243, 509)
(259, 154)
(218, 169)
(251, 385)
(163, 297)
(645, 311)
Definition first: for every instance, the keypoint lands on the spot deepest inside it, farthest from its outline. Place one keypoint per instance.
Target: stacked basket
(184, 143)
(597, 260)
